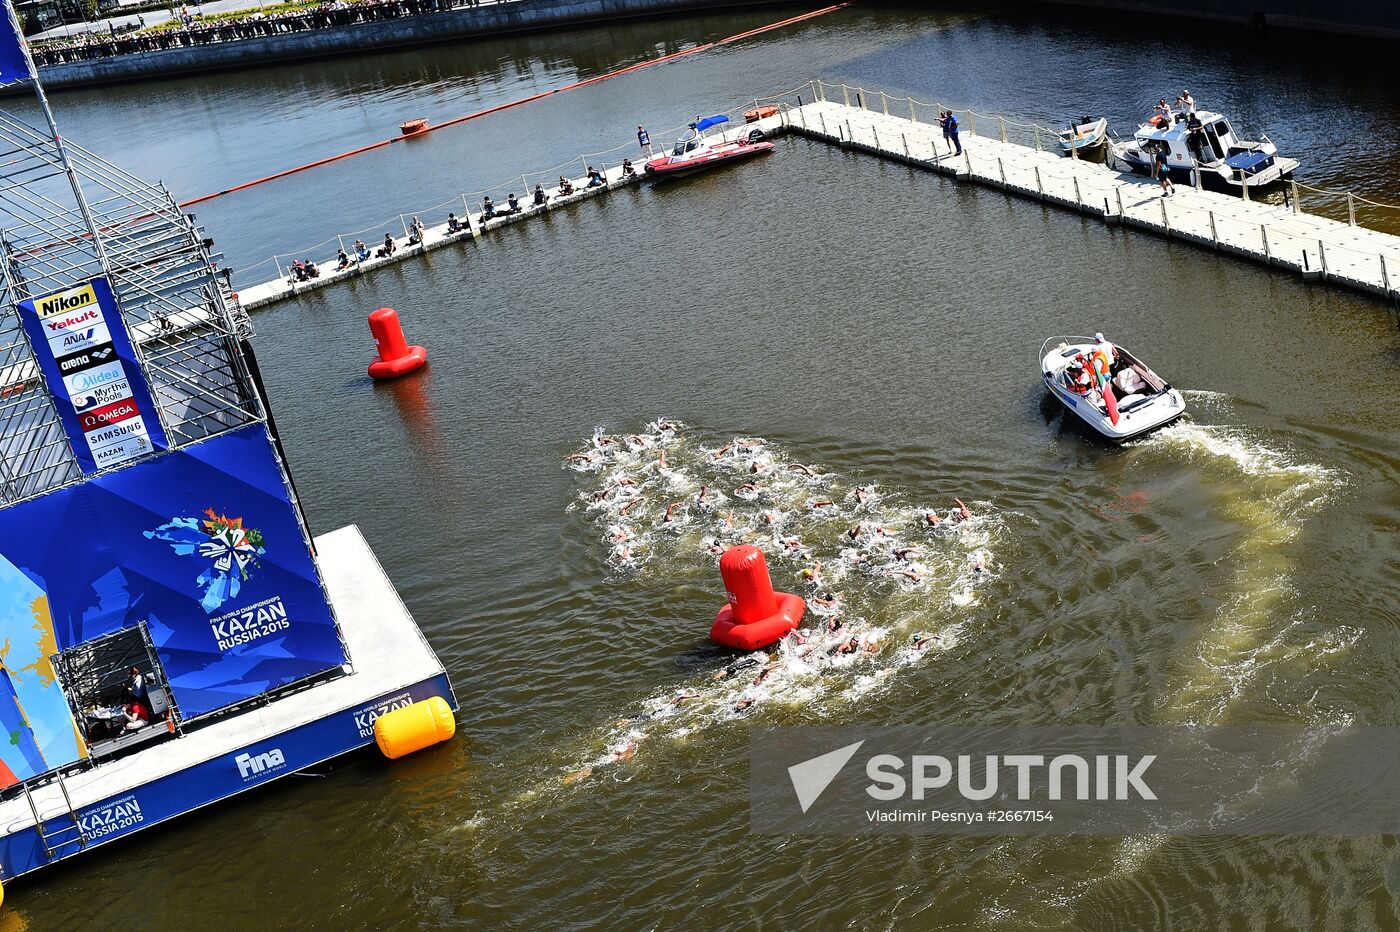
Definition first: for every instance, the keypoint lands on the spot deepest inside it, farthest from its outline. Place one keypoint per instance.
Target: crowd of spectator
(193, 31)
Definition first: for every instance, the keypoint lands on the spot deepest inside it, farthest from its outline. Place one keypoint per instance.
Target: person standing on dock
(950, 131)
(1164, 174)
(644, 140)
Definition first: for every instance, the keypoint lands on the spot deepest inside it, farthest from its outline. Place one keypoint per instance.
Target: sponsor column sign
(82, 348)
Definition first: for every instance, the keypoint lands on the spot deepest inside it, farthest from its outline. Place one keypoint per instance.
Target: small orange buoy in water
(756, 616)
(410, 127)
(396, 357)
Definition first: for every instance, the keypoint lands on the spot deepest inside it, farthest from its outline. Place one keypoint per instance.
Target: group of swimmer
(657, 493)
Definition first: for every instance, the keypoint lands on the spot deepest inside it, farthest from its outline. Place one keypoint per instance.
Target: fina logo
(255, 765)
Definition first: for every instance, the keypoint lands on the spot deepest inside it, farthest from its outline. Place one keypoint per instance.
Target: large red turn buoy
(395, 357)
(756, 616)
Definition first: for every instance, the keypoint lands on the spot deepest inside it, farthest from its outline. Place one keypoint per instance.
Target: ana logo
(62, 302)
(111, 817)
(254, 765)
(227, 550)
(366, 717)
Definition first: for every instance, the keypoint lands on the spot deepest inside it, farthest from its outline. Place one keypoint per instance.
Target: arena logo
(254, 766)
(108, 818)
(63, 301)
(366, 717)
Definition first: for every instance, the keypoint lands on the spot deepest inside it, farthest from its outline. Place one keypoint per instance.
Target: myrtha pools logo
(229, 549)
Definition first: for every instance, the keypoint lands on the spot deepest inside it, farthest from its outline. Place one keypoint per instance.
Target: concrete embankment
(468, 22)
(1345, 17)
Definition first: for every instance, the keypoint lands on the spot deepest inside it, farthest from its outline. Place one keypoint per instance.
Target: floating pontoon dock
(1017, 157)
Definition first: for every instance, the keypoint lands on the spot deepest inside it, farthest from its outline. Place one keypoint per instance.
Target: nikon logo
(62, 302)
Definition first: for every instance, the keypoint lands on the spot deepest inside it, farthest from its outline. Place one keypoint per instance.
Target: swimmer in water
(624, 753)
(910, 574)
(704, 491)
(861, 495)
(770, 518)
(628, 507)
(745, 661)
(903, 553)
(933, 519)
(802, 468)
(723, 451)
(620, 535)
(813, 573)
(585, 457)
(979, 562)
(824, 503)
(671, 512)
(854, 532)
(716, 549)
(792, 545)
(864, 643)
(755, 467)
(767, 671)
(729, 521)
(922, 641)
(963, 512)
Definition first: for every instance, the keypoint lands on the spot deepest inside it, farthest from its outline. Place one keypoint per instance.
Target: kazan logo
(366, 717)
(112, 817)
(228, 550)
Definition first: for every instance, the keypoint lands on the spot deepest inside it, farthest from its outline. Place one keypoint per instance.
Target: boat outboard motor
(756, 135)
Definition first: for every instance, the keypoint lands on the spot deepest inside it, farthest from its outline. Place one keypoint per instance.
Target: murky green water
(875, 324)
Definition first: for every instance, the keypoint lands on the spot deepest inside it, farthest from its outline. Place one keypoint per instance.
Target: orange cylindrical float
(756, 616)
(414, 727)
(395, 357)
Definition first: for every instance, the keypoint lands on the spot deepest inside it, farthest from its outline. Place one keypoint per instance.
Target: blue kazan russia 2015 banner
(204, 545)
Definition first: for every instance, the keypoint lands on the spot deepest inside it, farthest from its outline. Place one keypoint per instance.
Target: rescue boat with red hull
(695, 152)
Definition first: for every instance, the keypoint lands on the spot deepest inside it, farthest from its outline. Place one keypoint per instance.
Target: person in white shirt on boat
(1186, 102)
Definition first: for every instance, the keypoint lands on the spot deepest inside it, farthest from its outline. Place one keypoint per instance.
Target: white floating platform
(391, 666)
(1317, 247)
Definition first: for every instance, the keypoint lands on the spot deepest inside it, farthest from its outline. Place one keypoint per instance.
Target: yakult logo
(73, 320)
(251, 766)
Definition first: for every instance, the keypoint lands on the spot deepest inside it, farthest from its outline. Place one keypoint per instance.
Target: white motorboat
(1204, 142)
(1086, 134)
(1135, 399)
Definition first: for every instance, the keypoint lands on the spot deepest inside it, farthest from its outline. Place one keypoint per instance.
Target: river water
(875, 324)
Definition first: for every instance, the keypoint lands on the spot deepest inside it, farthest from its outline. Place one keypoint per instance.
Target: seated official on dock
(565, 186)
(540, 196)
(388, 249)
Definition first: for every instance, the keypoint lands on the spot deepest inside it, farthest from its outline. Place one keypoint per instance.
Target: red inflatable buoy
(756, 616)
(395, 357)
